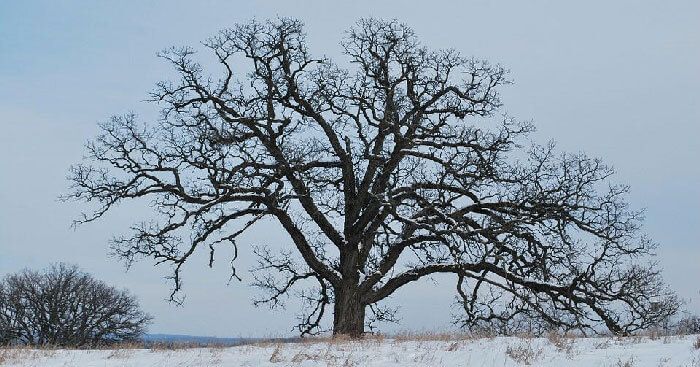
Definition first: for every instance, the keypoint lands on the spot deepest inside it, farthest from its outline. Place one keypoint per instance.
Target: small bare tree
(394, 168)
(66, 307)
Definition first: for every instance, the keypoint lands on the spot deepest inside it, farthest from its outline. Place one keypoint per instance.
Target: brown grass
(432, 336)
(563, 342)
(523, 353)
(406, 336)
(276, 357)
(452, 347)
(120, 353)
(16, 354)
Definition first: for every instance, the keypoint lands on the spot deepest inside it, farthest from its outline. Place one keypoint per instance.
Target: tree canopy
(63, 306)
(394, 165)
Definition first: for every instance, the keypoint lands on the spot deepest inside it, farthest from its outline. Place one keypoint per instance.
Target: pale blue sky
(616, 79)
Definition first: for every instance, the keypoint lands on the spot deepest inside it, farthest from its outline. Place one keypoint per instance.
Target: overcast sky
(617, 79)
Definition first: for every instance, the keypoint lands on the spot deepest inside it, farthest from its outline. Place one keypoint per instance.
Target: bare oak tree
(64, 306)
(383, 170)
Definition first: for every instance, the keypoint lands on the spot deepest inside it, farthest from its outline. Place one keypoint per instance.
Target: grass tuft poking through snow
(381, 351)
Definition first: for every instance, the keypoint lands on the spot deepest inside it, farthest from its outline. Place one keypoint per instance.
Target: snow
(483, 352)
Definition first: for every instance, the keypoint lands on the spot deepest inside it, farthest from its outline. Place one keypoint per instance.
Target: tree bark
(349, 312)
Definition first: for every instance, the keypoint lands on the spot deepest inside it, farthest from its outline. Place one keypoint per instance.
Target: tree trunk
(349, 313)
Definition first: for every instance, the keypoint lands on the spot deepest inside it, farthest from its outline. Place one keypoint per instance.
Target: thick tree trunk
(349, 310)
(349, 313)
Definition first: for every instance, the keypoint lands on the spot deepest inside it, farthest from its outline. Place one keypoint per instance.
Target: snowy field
(483, 352)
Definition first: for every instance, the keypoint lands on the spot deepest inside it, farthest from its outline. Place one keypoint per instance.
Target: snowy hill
(482, 352)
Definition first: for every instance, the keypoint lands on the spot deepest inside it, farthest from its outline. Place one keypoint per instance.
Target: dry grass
(159, 347)
(7, 355)
(564, 343)
(276, 355)
(407, 336)
(170, 346)
(452, 347)
(407, 347)
(16, 354)
(436, 336)
(335, 354)
(303, 356)
(336, 349)
(625, 363)
(120, 353)
(524, 353)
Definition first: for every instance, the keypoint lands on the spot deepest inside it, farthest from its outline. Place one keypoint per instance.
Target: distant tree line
(64, 306)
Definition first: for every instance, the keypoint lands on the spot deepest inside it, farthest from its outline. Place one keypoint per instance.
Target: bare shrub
(523, 353)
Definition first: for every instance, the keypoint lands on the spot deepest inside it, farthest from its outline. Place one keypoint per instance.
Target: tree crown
(391, 169)
(63, 306)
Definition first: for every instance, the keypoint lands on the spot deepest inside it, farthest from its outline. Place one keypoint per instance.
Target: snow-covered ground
(482, 352)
